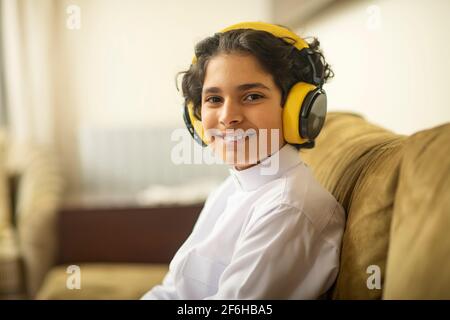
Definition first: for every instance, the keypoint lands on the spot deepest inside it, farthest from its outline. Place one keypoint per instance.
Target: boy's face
(239, 99)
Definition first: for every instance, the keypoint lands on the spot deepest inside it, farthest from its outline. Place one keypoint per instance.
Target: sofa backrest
(358, 162)
(418, 264)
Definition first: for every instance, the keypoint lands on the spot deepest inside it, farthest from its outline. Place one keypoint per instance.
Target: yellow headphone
(306, 103)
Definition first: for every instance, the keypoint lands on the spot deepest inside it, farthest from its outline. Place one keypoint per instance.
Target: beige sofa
(396, 191)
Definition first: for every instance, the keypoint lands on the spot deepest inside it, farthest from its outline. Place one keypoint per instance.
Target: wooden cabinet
(125, 234)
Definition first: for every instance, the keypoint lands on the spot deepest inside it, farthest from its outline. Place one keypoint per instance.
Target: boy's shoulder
(298, 188)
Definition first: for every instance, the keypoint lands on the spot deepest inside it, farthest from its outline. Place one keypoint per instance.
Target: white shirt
(260, 236)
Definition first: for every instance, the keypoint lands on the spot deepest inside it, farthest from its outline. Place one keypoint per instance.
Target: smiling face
(239, 99)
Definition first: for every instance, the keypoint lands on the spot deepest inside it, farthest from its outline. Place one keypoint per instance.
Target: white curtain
(28, 34)
(27, 92)
(2, 94)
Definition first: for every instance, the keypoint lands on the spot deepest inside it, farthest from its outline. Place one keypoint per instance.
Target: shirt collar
(269, 169)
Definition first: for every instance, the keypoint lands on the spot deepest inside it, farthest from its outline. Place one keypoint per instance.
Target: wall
(118, 69)
(390, 59)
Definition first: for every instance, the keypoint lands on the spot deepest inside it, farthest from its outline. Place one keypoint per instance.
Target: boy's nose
(231, 114)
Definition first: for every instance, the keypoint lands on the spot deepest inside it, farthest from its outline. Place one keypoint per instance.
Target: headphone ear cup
(292, 112)
(313, 114)
(194, 125)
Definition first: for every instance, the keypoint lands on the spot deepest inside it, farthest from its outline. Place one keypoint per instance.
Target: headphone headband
(277, 31)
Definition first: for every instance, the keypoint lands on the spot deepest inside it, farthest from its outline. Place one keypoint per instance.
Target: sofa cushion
(419, 253)
(103, 281)
(358, 163)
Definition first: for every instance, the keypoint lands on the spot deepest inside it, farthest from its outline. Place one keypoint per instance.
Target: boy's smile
(239, 99)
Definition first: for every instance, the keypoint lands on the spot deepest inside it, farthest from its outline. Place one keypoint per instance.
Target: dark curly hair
(277, 56)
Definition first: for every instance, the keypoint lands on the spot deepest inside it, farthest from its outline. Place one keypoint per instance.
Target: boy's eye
(253, 97)
(213, 99)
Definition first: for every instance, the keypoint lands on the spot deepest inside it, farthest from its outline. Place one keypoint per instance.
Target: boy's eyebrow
(247, 86)
(241, 87)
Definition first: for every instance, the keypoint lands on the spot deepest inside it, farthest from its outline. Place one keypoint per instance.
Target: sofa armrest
(40, 189)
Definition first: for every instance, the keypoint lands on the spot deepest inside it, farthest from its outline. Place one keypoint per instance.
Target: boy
(259, 236)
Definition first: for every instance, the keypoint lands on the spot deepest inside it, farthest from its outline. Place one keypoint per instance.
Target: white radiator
(125, 161)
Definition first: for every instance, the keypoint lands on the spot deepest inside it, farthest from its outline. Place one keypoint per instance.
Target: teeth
(237, 137)
(233, 138)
